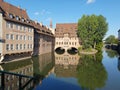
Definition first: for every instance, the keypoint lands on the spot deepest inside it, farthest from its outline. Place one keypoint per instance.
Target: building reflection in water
(24, 67)
(66, 65)
(119, 63)
(87, 69)
(43, 66)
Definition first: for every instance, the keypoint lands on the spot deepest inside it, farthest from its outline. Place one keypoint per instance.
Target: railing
(20, 85)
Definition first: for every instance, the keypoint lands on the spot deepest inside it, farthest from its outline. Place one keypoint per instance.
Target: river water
(70, 72)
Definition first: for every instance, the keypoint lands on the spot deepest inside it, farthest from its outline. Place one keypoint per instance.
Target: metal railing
(20, 77)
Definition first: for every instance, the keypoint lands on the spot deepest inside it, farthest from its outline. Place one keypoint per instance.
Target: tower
(50, 23)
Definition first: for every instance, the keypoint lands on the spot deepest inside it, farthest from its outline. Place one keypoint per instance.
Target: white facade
(67, 42)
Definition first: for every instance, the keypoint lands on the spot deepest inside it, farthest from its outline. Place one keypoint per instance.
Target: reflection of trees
(91, 73)
(111, 53)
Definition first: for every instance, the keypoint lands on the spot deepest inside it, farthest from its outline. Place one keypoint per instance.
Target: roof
(18, 15)
(14, 14)
(8, 8)
(40, 28)
(66, 28)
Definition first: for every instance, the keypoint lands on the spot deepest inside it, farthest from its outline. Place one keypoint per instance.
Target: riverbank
(91, 51)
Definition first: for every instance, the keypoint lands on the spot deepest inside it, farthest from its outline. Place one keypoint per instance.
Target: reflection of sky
(113, 74)
(54, 83)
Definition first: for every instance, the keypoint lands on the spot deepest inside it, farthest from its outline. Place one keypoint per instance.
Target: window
(28, 46)
(11, 46)
(17, 37)
(20, 37)
(20, 46)
(10, 15)
(24, 28)
(17, 47)
(7, 24)
(28, 21)
(75, 43)
(24, 37)
(7, 47)
(28, 37)
(31, 46)
(23, 20)
(20, 27)
(12, 37)
(24, 46)
(17, 26)
(11, 25)
(7, 36)
(17, 18)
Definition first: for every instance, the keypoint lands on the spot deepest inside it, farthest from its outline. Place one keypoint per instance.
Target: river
(70, 72)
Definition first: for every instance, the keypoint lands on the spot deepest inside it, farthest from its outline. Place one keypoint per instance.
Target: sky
(70, 11)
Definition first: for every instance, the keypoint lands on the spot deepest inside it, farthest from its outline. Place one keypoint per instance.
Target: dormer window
(11, 15)
(23, 20)
(17, 18)
(28, 21)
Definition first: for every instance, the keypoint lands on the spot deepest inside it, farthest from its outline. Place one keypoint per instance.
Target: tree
(91, 30)
(111, 40)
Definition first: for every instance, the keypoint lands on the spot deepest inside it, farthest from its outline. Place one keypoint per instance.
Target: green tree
(111, 40)
(91, 30)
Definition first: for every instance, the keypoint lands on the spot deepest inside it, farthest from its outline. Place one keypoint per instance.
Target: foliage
(99, 46)
(112, 53)
(91, 30)
(111, 40)
(91, 73)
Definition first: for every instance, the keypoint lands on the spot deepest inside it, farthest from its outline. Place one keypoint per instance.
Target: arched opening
(59, 50)
(72, 50)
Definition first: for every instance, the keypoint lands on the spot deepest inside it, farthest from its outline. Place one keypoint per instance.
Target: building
(43, 39)
(18, 33)
(16, 30)
(66, 36)
(119, 34)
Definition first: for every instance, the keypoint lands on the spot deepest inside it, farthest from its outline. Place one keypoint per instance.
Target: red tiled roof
(8, 8)
(66, 28)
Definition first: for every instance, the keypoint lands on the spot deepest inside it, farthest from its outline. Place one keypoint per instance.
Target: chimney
(19, 7)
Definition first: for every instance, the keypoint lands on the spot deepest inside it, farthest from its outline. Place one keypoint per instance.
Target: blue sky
(69, 11)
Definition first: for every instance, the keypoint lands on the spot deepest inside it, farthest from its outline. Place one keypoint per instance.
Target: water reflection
(87, 69)
(43, 66)
(112, 53)
(119, 63)
(91, 74)
(24, 67)
(66, 65)
(53, 71)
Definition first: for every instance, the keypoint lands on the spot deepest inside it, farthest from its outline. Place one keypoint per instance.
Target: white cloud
(36, 13)
(90, 1)
(48, 19)
(43, 12)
